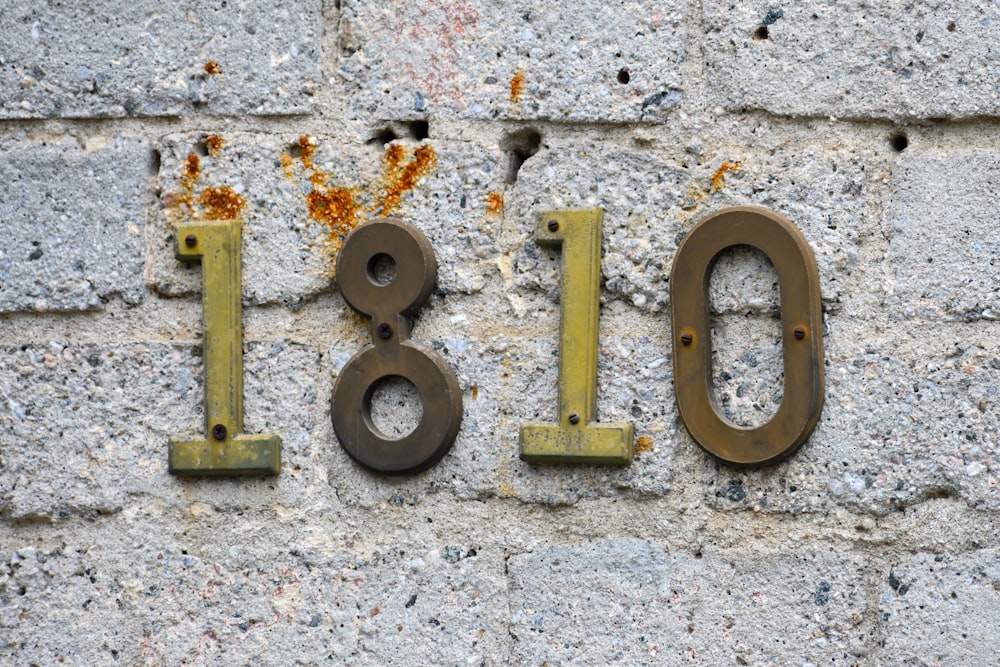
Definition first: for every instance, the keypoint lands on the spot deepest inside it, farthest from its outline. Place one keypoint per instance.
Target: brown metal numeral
(801, 329)
(387, 303)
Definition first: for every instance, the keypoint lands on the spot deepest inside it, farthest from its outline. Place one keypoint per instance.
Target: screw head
(799, 332)
(384, 331)
(219, 432)
(190, 240)
(553, 225)
(687, 338)
(574, 418)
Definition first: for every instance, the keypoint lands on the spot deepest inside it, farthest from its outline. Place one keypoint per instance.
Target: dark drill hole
(899, 142)
(761, 33)
(623, 76)
(383, 137)
(951, 26)
(154, 162)
(419, 129)
(295, 150)
(201, 148)
(519, 146)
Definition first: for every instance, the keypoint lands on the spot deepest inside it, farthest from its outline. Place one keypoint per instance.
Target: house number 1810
(576, 436)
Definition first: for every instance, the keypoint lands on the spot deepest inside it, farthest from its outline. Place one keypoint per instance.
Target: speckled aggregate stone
(652, 200)
(240, 596)
(852, 58)
(107, 59)
(940, 609)
(84, 427)
(944, 239)
(631, 602)
(934, 432)
(72, 220)
(287, 256)
(481, 59)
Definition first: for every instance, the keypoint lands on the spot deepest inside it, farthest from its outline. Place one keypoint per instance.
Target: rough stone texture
(944, 241)
(629, 602)
(289, 241)
(652, 200)
(73, 222)
(938, 609)
(112, 59)
(84, 427)
(934, 432)
(495, 377)
(193, 598)
(484, 59)
(853, 58)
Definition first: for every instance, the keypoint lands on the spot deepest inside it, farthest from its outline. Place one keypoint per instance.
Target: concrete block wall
(873, 127)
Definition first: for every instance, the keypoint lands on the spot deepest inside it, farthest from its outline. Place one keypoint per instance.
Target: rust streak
(214, 143)
(494, 203)
(517, 85)
(643, 444)
(221, 203)
(719, 177)
(211, 67)
(399, 178)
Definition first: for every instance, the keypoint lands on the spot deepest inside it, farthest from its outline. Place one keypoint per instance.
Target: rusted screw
(799, 332)
(553, 225)
(687, 338)
(219, 432)
(190, 240)
(384, 331)
(574, 418)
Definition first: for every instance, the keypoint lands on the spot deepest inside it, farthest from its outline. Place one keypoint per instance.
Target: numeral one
(387, 302)
(801, 334)
(577, 438)
(226, 450)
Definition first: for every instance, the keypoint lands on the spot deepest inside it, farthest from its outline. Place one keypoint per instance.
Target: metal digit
(392, 354)
(226, 450)
(801, 329)
(577, 438)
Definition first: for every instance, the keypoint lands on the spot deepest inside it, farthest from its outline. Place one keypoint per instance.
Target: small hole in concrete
(519, 146)
(951, 26)
(295, 150)
(201, 148)
(383, 137)
(899, 142)
(623, 76)
(154, 162)
(419, 129)
(761, 33)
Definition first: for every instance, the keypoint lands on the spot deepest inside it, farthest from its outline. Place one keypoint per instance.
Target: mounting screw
(574, 418)
(687, 338)
(219, 432)
(799, 332)
(190, 240)
(553, 225)
(384, 331)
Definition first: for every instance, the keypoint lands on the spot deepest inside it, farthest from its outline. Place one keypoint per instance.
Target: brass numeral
(577, 438)
(801, 333)
(226, 450)
(387, 301)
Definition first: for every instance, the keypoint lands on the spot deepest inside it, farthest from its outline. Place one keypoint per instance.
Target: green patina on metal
(226, 450)
(577, 438)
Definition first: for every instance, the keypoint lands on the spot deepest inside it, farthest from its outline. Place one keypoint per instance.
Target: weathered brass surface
(801, 329)
(577, 438)
(227, 450)
(387, 303)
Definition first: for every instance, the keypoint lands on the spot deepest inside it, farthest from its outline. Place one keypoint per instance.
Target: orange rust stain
(190, 171)
(337, 208)
(399, 178)
(214, 144)
(494, 203)
(643, 444)
(220, 203)
(341, 209)
(475, 391)
(211, 67)
(719, 177)
(517, 85)
(308, 147)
